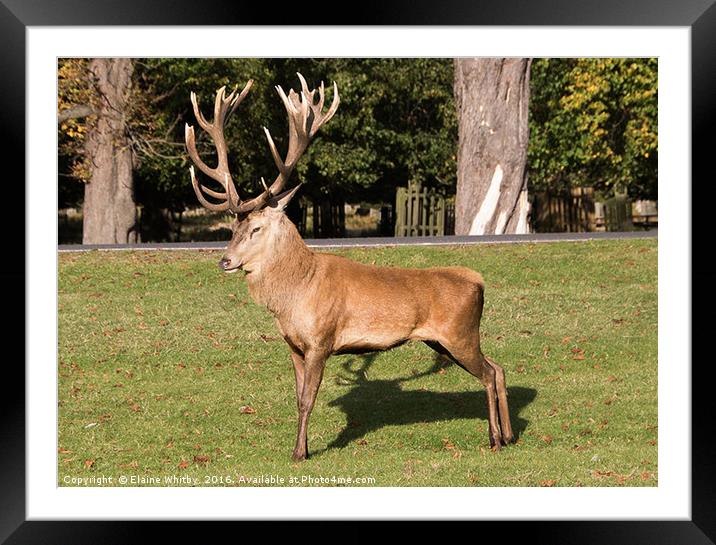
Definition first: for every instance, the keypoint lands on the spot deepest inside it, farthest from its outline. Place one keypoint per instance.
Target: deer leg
(298, 368)
(313, 374)
(471, 359)
(503, 408)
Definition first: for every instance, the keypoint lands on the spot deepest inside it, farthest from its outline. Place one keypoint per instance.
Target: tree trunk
(492, 97)
(110, 215)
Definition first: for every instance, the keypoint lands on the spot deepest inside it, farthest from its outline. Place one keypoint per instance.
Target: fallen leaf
(183, 464)
(547, 439)
(202, 459)
(548, 482)
(89, 464)
(246, 409)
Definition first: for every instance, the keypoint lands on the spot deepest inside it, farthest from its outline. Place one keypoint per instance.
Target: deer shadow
(373, 404)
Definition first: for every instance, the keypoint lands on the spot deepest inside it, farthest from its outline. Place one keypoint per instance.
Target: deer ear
(280, 202)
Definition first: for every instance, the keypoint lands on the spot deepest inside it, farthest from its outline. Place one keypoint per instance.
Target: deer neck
(284, 273)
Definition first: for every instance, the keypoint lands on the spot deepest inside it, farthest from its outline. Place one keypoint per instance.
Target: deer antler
(224, 106)
(305, 117)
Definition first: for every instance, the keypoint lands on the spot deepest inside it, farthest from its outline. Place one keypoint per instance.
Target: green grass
(160, 354)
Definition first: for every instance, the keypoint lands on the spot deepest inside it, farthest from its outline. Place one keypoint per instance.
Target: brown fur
(325, 304)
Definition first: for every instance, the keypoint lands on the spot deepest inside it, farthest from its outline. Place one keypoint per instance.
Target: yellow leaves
(73, 129)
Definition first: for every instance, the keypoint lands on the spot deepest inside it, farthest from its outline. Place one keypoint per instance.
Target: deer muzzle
(227, 265)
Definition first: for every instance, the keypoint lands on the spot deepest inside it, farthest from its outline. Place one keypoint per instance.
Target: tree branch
(74, 112)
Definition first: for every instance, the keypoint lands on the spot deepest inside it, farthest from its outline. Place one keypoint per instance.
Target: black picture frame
(699, 15)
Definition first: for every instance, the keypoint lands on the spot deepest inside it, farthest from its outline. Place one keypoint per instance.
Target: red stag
(326, 304)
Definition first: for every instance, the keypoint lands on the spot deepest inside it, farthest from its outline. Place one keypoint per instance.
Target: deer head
(259, 219)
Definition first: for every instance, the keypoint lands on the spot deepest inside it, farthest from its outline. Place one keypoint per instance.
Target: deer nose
(224, 263)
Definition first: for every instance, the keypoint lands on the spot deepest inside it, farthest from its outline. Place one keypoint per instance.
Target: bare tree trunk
(110, 214)
(492, 97)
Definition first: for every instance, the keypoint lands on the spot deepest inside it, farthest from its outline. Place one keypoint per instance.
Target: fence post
(399, 211)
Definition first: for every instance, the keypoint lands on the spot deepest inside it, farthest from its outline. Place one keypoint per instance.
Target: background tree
(109, 212)
(594, 122)
(396, 124)
(93, 108)
(492, 99)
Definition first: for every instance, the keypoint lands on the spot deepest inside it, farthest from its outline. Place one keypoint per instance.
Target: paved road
(378, 241)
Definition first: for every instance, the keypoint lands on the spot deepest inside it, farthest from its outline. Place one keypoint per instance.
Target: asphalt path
(368, 242)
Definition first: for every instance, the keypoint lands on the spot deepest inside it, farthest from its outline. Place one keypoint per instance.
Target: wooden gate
(419, 212)
(618, 213)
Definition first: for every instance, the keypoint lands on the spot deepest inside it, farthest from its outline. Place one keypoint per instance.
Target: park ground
(167, 369)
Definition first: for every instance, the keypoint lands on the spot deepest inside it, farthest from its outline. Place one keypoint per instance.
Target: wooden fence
(328, 218)
(423, 212)
(419, 212)
(575, 210)
(567, 211)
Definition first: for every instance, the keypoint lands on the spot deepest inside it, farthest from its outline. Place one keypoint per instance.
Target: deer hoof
(495, 443)
(298, 456)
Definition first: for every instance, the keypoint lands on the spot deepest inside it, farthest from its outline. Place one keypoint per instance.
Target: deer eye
(255, 230)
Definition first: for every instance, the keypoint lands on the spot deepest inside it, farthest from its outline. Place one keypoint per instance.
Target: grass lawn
(168, 369)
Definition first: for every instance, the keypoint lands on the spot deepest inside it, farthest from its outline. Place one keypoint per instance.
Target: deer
(325, 304)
